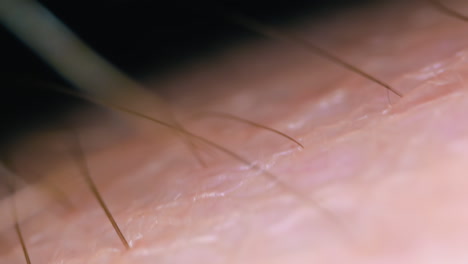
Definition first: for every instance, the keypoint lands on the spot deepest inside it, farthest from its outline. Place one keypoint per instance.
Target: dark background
(132, 34)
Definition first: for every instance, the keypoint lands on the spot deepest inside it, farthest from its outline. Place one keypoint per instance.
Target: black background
(132, 34)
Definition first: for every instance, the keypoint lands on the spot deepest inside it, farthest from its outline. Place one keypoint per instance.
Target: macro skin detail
(390, 170)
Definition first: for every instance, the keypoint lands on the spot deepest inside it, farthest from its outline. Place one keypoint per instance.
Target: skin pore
(392, 175)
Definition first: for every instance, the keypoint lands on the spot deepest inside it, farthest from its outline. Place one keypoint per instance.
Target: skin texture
(389, 179)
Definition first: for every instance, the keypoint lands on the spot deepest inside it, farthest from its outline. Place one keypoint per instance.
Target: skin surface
(389, 179)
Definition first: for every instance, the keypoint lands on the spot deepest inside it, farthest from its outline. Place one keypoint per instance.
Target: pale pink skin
(393, 178)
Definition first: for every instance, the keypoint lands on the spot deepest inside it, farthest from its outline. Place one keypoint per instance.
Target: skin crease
(391, 175)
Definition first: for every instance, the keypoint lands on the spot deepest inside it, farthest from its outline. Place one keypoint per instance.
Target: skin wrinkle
(398, 211)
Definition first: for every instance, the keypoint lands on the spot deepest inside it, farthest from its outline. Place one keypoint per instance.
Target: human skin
(384, 175)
